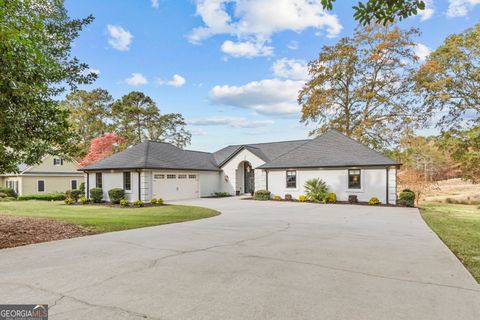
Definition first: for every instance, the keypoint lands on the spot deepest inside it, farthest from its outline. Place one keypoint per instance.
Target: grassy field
(459, 227)
(102, 218)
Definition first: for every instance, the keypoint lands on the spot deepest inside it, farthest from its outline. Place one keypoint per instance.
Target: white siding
(230, 170)
(260, 179)
(209, 183)
(114, 179)
(146, 185)
(392, 186)
(373, 183)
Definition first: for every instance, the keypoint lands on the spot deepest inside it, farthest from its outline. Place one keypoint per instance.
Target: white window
(182, 176)
(354, 179)
(74, 185)
(127, 181)
(291, 179)
(40, 185)
(171, 176)
(192, 176)
(158, 176)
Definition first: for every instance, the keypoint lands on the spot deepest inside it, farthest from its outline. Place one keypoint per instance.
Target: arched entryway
(245, 178)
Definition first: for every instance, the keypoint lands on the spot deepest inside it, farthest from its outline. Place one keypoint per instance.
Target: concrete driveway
(258, 260)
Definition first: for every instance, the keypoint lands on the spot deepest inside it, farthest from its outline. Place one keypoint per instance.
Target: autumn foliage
(102, 147)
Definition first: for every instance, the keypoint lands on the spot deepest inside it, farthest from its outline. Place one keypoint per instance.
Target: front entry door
(249, 178)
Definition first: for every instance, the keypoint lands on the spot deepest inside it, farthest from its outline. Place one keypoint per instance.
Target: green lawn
(459, 227)
(104, 219)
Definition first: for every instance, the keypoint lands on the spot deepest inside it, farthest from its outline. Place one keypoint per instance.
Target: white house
(161, 170)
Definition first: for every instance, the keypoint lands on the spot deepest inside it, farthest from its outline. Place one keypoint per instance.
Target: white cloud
(136, 79)
(421, 51)
(176, 81)
(154, 3)
(428, 12)
(460, 8)
(198, 132)
(256, 21)
(293, 45)
(270, 96)
(235, 122)
(290, 68)
(120, 38)
(246, 49)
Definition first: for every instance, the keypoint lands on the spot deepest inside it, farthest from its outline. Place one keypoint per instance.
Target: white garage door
(175, 186)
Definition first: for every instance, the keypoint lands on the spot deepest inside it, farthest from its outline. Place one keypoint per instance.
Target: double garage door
(175, 185)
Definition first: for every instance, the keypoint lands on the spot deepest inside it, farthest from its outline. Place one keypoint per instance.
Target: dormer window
(57, 162)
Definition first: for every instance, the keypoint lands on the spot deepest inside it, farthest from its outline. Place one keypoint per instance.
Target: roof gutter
(332, 166)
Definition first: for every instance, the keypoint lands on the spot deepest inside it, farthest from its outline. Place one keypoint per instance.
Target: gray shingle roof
(156, 155)
(265, 151)
(331, 149)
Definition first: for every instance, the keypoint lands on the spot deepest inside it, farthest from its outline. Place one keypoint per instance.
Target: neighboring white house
(161, 170)
(53, 174)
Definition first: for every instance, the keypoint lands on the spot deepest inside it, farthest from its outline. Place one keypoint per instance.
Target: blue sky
(232, 68)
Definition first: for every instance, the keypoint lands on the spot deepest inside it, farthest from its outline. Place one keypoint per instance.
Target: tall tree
(363, 86)
(35, 67)
(89, 113)
(102, 147)
(450, 79)
(382, 11)
(464, 147)
(136, 117)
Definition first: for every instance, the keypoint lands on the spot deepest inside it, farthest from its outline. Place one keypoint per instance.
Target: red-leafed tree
(102, 147)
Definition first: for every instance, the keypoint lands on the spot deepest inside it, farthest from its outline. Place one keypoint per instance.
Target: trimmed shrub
(331, 197)
(7, 199)
(138, 203)
(288, 197)
(302, 198)
(153, 201)
(407, 198)
(76, 194)
(316, 189)
(160, 201)
(9, 192)
(262, 195)
(82, 187)
(124, 203)
(69, 201)
(45, 197)
(373, 201)
(277, 198)
(3, 195)
(116, 194)
(96, 194)
(73, 194)
(221, 194)
(83, 200)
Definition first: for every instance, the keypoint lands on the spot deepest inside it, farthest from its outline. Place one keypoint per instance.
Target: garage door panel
(175, 185)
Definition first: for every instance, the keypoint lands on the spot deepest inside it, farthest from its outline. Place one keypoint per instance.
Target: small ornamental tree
(102, 147)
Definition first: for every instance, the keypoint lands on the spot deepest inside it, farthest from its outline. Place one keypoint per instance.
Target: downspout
(266, 179)
(139, 186)
(387, 187)
(88, 184)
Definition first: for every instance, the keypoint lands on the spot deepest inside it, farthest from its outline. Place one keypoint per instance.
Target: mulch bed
(20, 231)
(338, 202)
